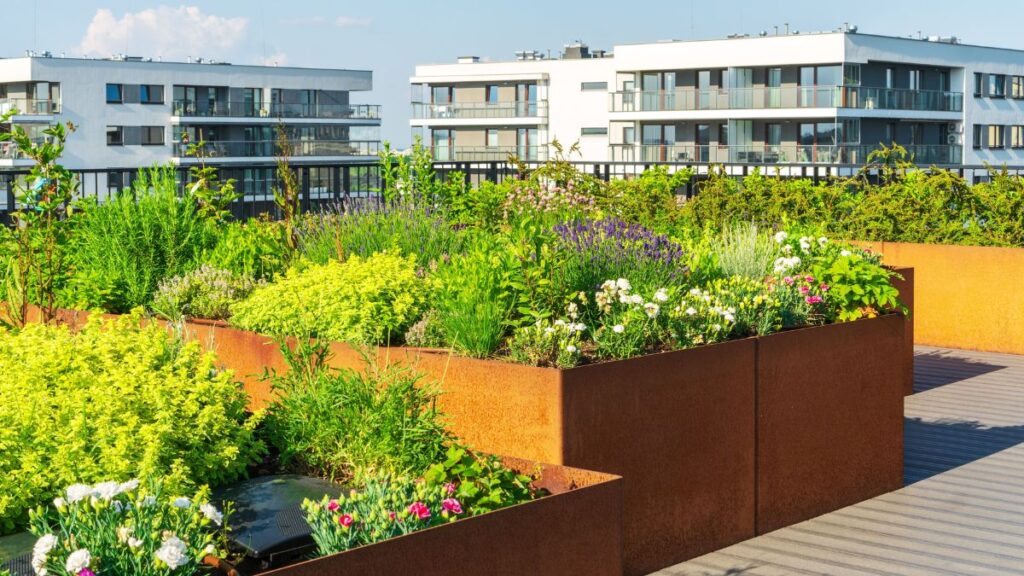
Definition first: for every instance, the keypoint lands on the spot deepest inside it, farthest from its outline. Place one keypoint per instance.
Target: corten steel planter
(829, 418)
(906, 288)
(577, 530)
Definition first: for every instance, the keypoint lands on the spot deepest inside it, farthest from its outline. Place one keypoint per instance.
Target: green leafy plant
(628, 324)
(254, 249)
(371, 300)
(212, 196)
(347, 424)
(206, 292)
(116, 399)
(124, 247)
(427, 332)
(123, 528)
(743, 250)
(286, 193)
(856, 287)
(555, 343)
(481, 481)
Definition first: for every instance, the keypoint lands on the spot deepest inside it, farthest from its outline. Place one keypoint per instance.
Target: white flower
(781, 237)
(690, 311)
(822, 241)
(716, 327)
(570, 349)
(623, 284)
(78, 561)
(43, 546)
(805, 244)
(547, 332)
(618, 328)
(661, 295)
(149, 501)
(129, 486)
(652, 309)
(173, 553)
(117, 505)
(78, 492)
(123, 533)
(134, 542)
(787, 249)
(59, 502)
(636, 299)
(39, 566)
(181, 502)
(729, 317)
(695, 291)
(560, 323)
(211, 512)
(845, 253)
(210, 549)
(106, 490)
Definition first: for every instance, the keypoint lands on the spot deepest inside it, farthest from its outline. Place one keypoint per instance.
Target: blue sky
(391, 37)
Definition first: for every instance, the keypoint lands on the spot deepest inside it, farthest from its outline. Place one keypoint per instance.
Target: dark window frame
(593, 131)
(145, 133)
(1017, 137)
(593, 86)
(146, 96)
(119, 130)
(120, 93)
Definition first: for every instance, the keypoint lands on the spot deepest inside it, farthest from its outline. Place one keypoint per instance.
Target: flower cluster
(629, 323)
(114, 527)
(527, 197)
(613, 246)
(381, 510)
(550, 343)
(700, 318)
(206, 292)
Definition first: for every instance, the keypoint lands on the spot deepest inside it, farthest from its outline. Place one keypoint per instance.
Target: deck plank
(962, 510)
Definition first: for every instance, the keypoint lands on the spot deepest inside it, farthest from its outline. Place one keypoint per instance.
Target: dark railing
(761, 97)
(775, 154)
(485, 153)
(269, 148)
(29, 106)
(479, 110)
(249, 109)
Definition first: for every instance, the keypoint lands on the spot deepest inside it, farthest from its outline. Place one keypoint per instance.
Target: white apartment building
(131, 113)
(822, 98)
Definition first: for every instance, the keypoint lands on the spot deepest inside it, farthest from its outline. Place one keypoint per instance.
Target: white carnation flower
(173, 553)
(44, 545)
(149, 501)
(106, 490)
(211, 512)
(78, 492)
(781, 237)
(59, 502)
(690, 311)
(618, 328)
(661, 295)
(78, 561)
(652, 309)
(570, 349)
(623, 284)
(845, 253)
(129, 486)
(134, 542)
(181, 502)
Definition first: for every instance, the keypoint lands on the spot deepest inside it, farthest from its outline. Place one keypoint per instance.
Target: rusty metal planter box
(829, 418)
(577, 530)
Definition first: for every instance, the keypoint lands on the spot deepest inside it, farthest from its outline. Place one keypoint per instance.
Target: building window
(890, 133)
(151, 94)
(115, 93)
(996, 86)
(492, 94)
(723, 134)
(773, 134)
(979, 136)
(115, 181)
(979, 84)
(492, 138)
(914, 82)
(890, 78)
(115, 136)
(1017, 87)
(594, 86)
(152, 135)
(851, 75)
(996, 137)
(1016, 136)
(597, 131)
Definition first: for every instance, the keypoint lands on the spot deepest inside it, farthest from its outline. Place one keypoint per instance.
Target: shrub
(122, 528)
(427, 332)
(114, 400)
(369, 300)
(742, 250)
(346, 424)
(463, 485)
(254, 249)
(125, 246)
(472, 300)
(650, 199)
(203, 293)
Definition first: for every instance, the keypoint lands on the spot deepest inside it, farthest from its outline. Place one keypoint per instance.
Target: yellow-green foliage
(368, 300)
(113, 401)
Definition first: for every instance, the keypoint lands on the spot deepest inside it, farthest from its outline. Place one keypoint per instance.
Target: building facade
(823, 98)
(131, 113)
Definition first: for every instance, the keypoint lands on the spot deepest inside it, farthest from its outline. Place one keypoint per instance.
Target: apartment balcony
(488, 153)
(480, 113)
(238, 149)
(275, 111)
(764, 98)
(780, 154)
(30, 110)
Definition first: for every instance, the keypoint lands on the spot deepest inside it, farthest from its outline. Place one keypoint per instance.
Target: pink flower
(419, 510)
(804, 289)
(814, 300)
(823, 287)
(86, 572)
(809, 278)
(333, 505)
(391, 515)
(451, 505)
(449, 488)
(345, 520)
(788, 280)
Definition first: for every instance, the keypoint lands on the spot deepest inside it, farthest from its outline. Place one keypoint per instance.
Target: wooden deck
(962, 511)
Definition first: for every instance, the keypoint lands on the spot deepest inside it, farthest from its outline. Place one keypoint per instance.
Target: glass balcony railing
(688, 99)
(269, 148)
(480, 110)
(10, 151)
(488, 153)
(780, 154)
(243, 109)
(29, 107)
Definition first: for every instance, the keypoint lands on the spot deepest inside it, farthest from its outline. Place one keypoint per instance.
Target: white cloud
(165, 31)
(353, 22)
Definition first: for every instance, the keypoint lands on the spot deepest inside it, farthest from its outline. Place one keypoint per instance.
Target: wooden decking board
(962, 511)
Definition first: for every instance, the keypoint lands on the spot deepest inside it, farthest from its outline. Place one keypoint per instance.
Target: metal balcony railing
(269, 148)
(758, 98)
(480, 110)
(488, 153)
(29, 106)
(244, 109)
(775, 154)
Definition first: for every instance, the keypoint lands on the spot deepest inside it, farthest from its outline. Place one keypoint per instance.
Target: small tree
(286, 193)
(43, 202)
(213, 196)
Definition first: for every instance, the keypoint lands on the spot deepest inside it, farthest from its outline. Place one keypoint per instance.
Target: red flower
(419, 510)
(333, 505)
(345, 520)
(451, 505)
